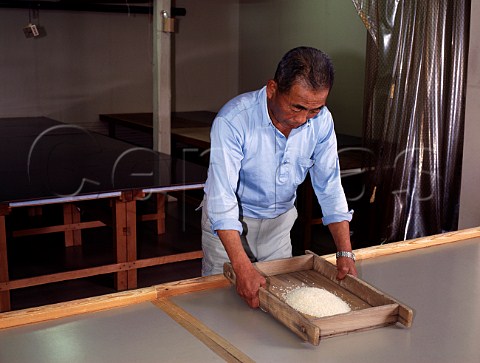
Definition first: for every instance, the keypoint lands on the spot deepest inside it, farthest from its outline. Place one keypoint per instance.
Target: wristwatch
(346, 254)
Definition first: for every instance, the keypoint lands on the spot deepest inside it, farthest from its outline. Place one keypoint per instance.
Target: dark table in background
(143, 121)
(48, 162)
(190, 131)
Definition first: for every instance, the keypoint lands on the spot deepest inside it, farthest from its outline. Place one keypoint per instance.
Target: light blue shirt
(255, 170)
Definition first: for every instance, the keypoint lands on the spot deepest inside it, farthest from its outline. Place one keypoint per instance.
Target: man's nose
(301, 117)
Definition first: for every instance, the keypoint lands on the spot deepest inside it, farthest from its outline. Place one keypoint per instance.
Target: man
(263, 143)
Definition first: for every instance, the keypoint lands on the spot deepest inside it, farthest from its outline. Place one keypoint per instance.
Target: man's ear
(271, 88)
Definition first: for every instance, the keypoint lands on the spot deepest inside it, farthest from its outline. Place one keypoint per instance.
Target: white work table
(440, 283)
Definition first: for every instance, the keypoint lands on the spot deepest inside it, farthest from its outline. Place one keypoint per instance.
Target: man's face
(292, 109)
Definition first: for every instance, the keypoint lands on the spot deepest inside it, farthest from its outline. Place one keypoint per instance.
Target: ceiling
(127, 6)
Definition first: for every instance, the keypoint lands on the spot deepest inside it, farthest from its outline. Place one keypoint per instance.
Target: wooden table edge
(120, 299)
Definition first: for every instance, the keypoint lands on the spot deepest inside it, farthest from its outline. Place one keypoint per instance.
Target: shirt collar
(266, 121)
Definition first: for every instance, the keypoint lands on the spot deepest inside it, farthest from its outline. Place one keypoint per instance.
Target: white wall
(88, 63)
(206, 54)
(470, 192)
(269, 28)
(91, 63)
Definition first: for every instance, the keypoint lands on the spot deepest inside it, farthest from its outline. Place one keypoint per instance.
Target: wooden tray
(371, 308)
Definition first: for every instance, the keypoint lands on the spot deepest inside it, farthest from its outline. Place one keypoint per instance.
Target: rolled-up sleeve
(225, 161)
(326, 179)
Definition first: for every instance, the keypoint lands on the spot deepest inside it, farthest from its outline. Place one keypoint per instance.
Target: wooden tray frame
(371, 308)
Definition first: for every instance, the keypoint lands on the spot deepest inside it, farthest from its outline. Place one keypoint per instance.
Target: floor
(44, 254)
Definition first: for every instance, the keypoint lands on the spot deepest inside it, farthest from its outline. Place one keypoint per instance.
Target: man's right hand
(248, 279)
(248, 283)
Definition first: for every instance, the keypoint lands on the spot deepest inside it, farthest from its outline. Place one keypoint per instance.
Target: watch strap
(346, 254)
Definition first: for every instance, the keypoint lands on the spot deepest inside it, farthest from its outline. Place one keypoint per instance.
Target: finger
(341, 274)
(342, 271)
(353, 271)
(254, 303)
(248, 295)
(252, 298)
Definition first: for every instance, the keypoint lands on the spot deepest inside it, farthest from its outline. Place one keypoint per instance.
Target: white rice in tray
(316, 302)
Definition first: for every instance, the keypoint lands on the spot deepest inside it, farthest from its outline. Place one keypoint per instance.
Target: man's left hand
(345, 265)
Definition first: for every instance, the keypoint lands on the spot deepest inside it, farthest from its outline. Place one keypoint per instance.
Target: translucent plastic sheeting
(414, 115)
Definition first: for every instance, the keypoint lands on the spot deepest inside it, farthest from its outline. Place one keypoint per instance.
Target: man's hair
(304, 65)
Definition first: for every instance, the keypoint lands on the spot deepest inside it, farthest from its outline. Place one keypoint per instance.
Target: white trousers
(262, 239)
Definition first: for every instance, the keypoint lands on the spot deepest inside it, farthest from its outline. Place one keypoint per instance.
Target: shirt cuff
(225, 224)
(338, 217)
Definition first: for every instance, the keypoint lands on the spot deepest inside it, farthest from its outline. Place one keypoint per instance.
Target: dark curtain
(414, 114)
